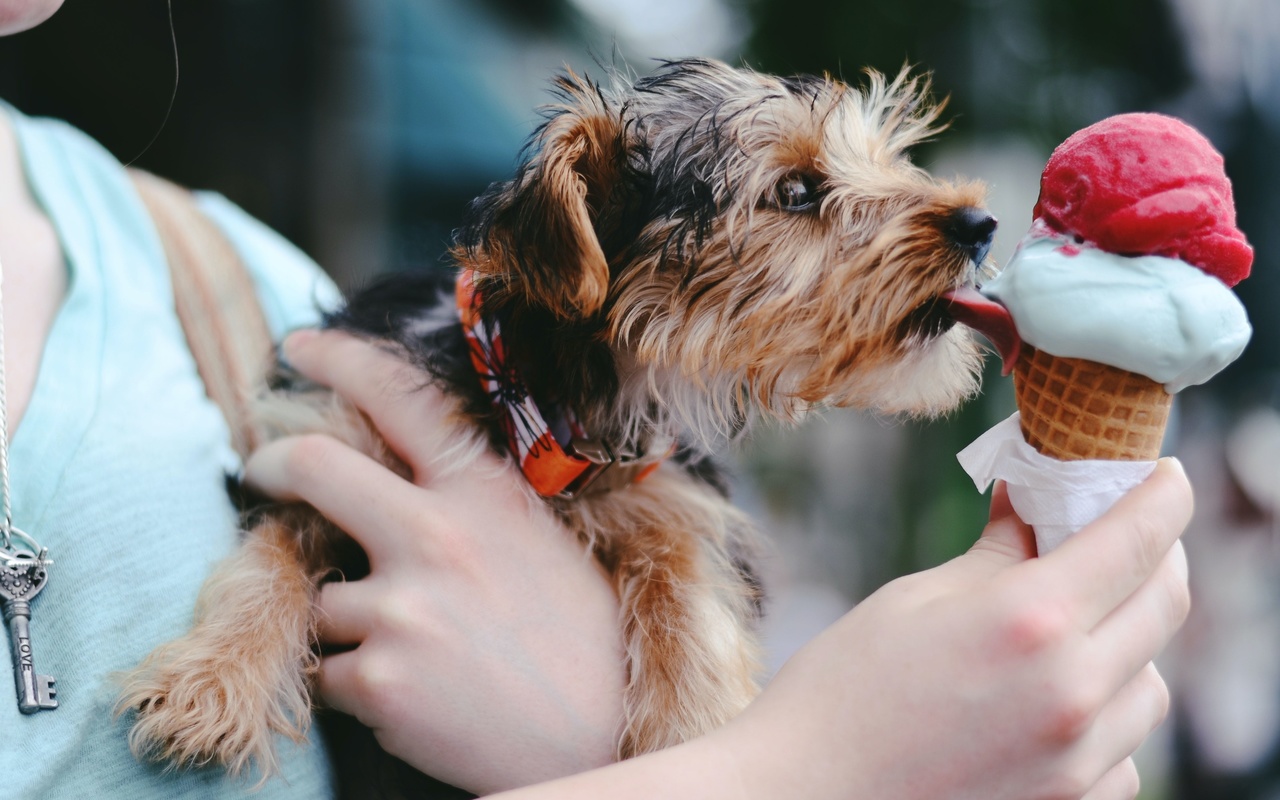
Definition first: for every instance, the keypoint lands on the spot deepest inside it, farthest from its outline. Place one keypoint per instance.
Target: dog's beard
(935, 376)
(932, 377)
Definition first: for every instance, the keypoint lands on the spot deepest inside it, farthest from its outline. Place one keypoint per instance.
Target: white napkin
(1057, 498)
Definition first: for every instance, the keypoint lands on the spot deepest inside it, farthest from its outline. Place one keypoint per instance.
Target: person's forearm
(710, 768)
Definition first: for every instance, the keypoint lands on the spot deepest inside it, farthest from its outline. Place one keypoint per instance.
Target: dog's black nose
(973, 229)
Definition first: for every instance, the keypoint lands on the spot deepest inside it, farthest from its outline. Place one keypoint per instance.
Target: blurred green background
(360, 129)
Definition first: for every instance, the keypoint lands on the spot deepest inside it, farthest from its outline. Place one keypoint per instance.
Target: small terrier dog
(675, 259)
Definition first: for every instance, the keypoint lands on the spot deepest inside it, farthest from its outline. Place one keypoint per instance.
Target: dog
(676, 258)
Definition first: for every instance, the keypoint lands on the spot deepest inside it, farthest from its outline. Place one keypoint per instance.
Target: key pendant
(22, 576)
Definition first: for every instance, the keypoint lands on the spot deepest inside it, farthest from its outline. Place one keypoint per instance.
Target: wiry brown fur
(646, 274)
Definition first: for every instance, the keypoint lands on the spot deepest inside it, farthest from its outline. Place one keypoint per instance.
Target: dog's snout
(973, 229)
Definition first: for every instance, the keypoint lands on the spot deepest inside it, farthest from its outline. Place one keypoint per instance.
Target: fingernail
(1179, 555)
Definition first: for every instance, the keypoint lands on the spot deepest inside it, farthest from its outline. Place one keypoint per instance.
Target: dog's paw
(193, 706)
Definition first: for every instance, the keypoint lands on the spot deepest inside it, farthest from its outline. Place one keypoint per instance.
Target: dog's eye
(795, 193)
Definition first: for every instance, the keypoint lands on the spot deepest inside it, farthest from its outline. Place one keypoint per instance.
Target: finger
(362, 685)
(343, 614)
(1000, 505)
(410, 413)
(1006, 539)
(1126, 722)
(339, 681)
(1097, 568)
(1120, 783)
(359, 495)
(1139, 629)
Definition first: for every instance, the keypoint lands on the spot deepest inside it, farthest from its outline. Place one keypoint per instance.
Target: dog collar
(558, 459)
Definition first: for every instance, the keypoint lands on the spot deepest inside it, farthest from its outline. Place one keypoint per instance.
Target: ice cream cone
(1072, 409)
(1129, 261)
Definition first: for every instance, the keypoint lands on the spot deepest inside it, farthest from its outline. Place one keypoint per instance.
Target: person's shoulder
(60, 131)
(293, 289)
(63, 162)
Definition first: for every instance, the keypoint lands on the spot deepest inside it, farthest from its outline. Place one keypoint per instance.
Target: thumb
(1007, 539)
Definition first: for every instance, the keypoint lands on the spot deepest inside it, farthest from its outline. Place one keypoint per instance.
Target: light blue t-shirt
(118, 468)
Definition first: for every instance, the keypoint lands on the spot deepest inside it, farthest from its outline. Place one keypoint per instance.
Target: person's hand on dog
(996, 676)
(487, 650)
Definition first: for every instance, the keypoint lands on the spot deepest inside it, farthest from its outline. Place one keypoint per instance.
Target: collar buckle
(600, 457)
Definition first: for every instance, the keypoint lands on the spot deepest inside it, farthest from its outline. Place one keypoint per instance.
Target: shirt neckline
(68, 380)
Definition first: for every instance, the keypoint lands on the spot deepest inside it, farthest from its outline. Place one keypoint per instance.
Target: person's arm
(996, 675)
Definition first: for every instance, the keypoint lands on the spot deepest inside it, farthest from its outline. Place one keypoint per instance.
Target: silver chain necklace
(24, 570)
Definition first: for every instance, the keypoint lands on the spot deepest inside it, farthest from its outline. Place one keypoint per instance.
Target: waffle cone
(1073, 409)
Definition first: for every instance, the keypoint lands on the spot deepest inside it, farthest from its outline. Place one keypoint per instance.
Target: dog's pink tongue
(969, 307)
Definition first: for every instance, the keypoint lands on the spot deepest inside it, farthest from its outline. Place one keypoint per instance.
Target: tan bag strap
(216, 302)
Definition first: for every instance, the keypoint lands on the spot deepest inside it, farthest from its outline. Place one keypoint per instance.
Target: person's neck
(35, 276)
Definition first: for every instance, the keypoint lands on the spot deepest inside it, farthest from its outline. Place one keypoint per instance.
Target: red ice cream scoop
(1146, 184)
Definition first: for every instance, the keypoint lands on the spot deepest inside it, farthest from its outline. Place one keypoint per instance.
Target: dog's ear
(539, 233)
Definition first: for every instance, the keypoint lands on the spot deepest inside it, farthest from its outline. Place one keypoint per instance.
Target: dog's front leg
(688, 615)
(220, 694)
